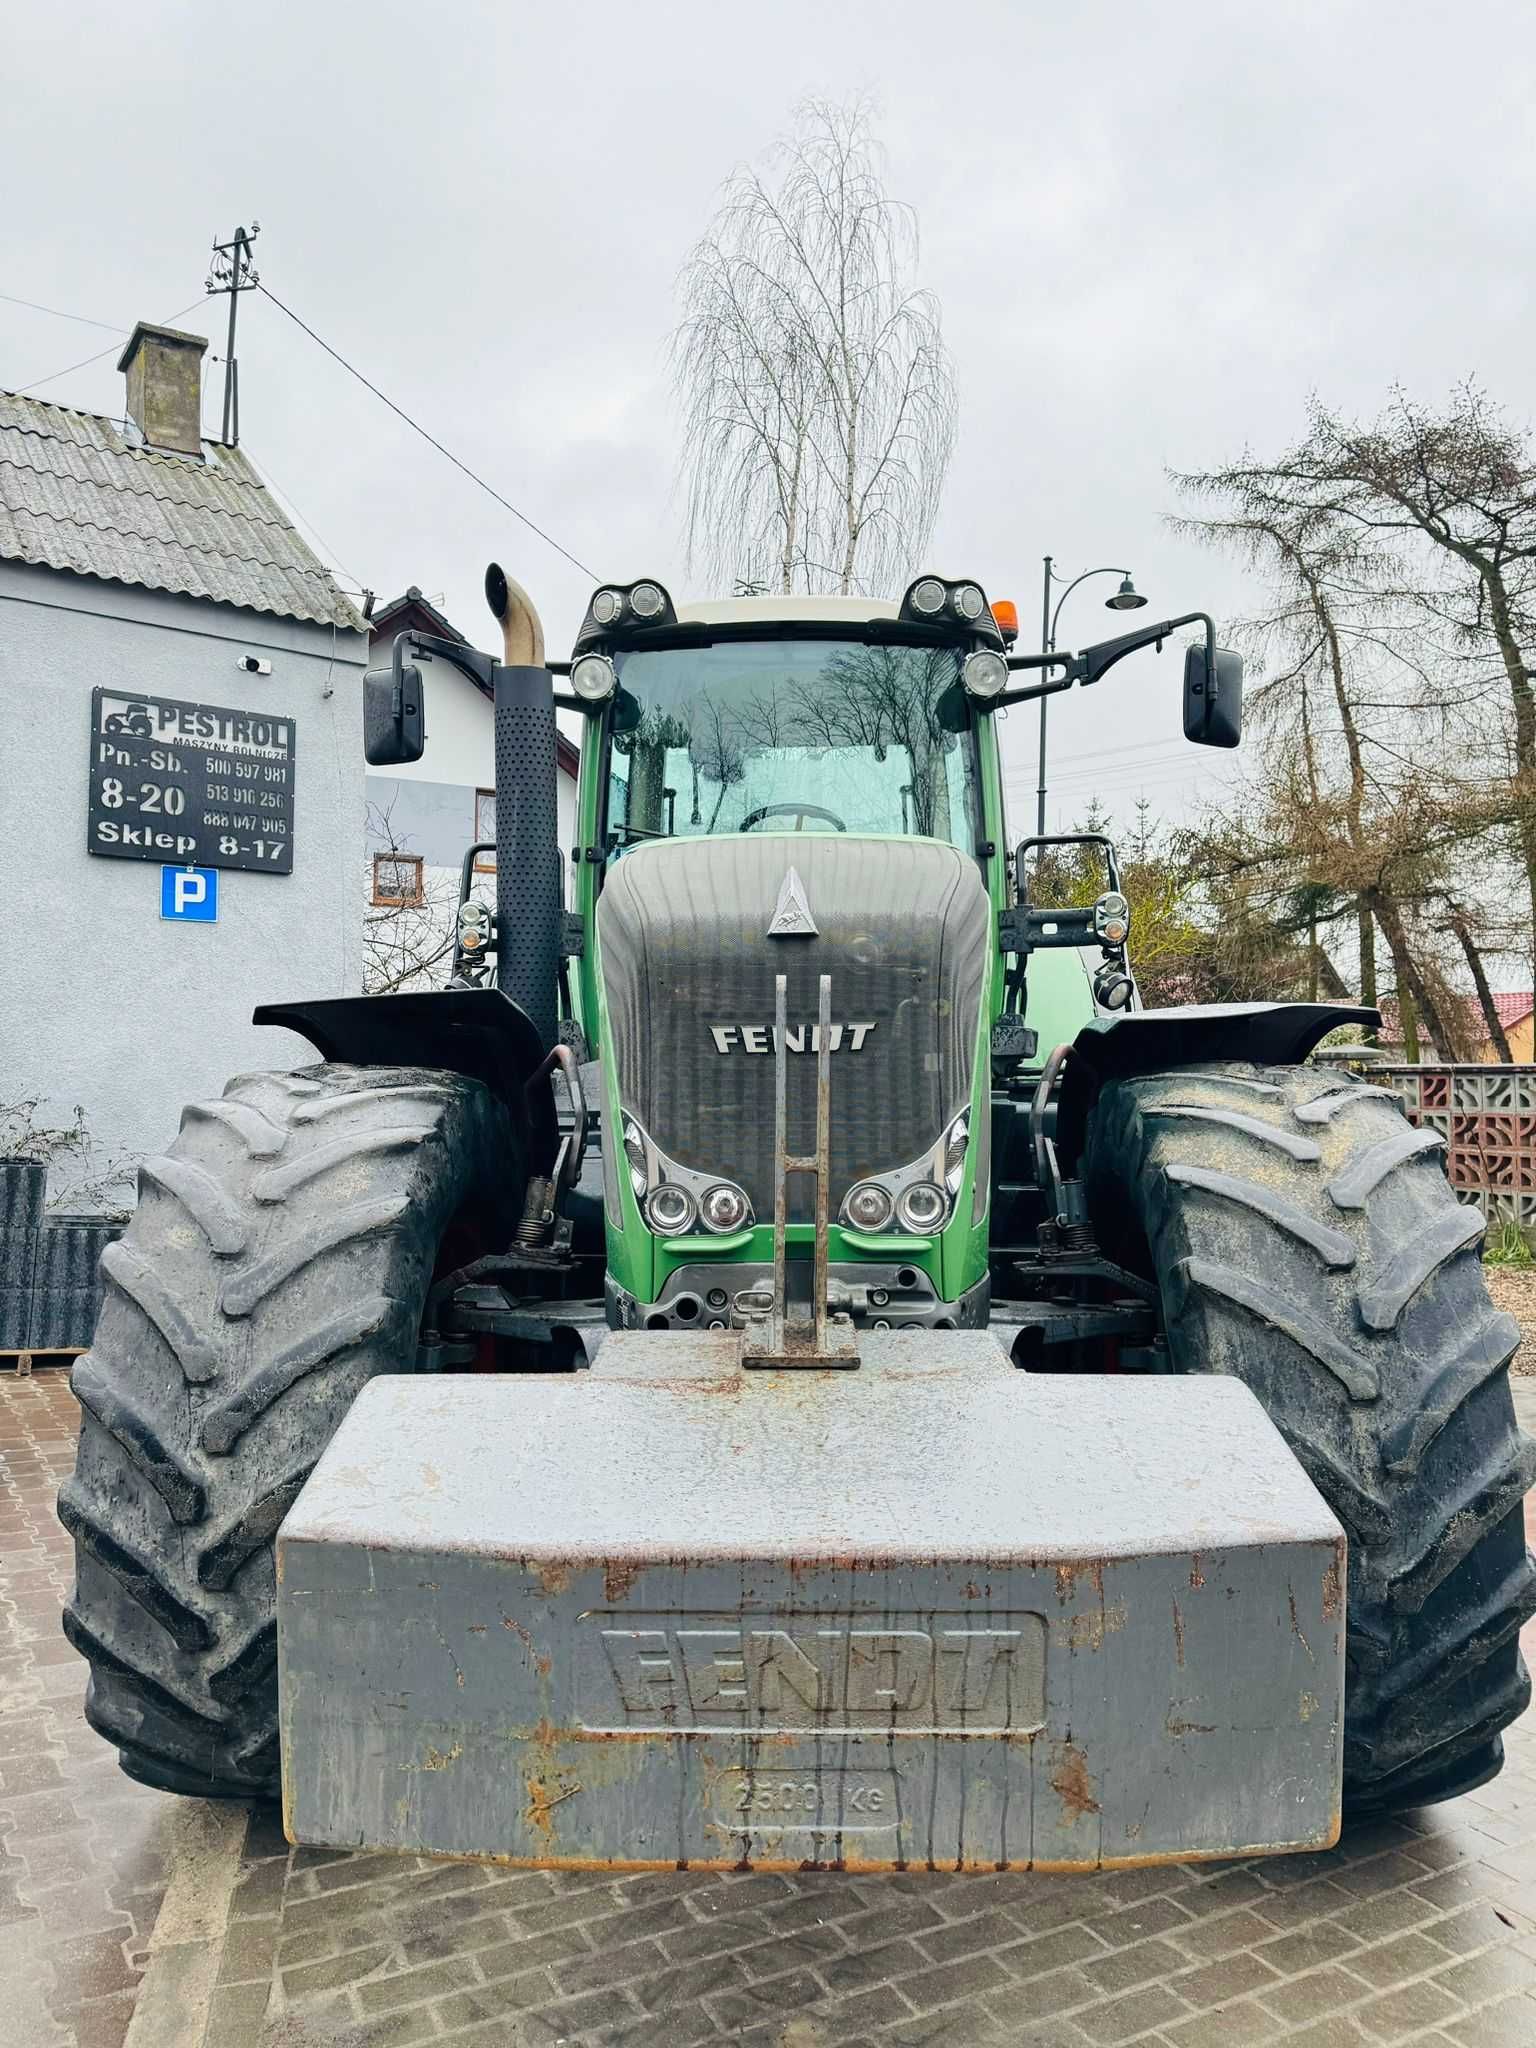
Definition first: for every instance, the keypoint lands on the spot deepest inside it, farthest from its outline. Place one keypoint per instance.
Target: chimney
(165, 387)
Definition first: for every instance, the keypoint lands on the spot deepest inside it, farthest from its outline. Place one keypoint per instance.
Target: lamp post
(1126, 599)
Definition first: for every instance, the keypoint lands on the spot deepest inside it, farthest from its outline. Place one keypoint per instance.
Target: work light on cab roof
(616, 605)
(937, 599)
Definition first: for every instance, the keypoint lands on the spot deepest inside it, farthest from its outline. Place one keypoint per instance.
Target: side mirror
(394, 711)
(1213, 705)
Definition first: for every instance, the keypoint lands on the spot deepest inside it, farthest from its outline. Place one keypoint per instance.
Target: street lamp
(1126, 599)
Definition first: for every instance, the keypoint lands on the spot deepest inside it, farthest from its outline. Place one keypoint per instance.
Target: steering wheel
(799, 812)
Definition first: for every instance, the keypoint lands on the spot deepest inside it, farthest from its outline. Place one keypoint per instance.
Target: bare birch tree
(817, 397)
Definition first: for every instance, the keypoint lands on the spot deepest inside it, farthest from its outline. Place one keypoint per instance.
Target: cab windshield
(791, 736)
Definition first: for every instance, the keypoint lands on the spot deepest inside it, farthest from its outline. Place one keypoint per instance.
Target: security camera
(254, 665)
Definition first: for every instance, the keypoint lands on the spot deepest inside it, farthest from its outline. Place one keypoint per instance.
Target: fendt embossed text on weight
(704, 1672)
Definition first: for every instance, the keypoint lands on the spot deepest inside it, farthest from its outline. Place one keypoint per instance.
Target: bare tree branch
(404, 943)
(817, 399)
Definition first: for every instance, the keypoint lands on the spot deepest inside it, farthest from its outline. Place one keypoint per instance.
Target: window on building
(397, 880)
(485, 828)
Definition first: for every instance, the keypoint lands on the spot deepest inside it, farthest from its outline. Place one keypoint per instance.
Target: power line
(357, 589)
(416, 427)
(1141, 757)
(1155, 765)
(83, 318)
(54, 375)
(1159, 766)
(1105, 753)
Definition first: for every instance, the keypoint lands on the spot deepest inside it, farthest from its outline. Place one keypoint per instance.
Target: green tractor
(802, 1283)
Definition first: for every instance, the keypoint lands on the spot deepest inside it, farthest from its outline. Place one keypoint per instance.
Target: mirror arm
(480, 668)
(1030, 691)
(1094, 662)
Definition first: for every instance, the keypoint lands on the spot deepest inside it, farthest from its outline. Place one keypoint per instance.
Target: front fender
(1147, 1041)
(480, 1033)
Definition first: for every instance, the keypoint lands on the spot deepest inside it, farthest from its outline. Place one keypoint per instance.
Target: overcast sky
(1153, 230)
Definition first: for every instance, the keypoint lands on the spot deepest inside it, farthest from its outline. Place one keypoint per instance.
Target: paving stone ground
(1422, 1930)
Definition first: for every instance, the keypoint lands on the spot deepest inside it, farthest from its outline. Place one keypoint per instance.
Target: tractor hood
(692, 934)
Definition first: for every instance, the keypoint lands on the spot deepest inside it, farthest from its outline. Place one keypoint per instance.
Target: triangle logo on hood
(792, 917)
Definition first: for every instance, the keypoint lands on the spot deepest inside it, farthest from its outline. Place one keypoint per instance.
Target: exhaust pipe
(528, 902)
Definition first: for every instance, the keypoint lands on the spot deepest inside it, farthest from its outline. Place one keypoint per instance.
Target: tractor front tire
(1305, 1240)
(280, 1256)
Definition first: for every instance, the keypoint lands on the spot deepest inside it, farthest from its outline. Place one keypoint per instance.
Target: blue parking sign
(190, 895)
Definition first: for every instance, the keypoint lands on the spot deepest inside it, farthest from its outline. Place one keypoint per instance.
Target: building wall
(437, 819)
(102, 1003)
(1522, 1043)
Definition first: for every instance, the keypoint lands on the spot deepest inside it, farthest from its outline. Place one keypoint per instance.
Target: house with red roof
(1517, 1014)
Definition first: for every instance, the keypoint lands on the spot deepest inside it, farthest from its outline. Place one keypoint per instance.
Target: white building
(181, 682)
(423, 816)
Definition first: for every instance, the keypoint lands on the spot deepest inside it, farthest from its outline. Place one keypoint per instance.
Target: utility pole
(232, 271)
(1045, 648)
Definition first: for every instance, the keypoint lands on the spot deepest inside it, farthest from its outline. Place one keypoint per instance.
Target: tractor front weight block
(932, 1613)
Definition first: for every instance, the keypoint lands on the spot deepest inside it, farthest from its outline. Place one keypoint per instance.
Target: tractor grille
(688, 966)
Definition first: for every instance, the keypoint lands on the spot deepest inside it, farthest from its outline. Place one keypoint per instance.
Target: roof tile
(76, 494)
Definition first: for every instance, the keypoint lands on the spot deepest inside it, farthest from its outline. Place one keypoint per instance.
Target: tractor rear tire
(1306, 1241)
(280, 1256)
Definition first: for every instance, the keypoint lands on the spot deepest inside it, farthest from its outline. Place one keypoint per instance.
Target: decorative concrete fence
(1487, 1117)
(50, 1286)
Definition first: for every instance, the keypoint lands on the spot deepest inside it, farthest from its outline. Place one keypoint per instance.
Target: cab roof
(752, 611)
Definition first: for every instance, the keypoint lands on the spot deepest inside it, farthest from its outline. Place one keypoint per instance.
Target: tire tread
(1408, 1430)
(224, 1357)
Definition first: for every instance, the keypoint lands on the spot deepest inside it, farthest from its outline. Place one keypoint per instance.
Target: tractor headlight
(606, 606)
(669, 1209)
(921, 1208)
(928, 595)
(594, 678)
(647, 601)
(634, 1154)
(968, 600)
(867, 1206)
(1113, 987)
(985, 674)
(724, 1207)
(1112, 918)
(956, 1140)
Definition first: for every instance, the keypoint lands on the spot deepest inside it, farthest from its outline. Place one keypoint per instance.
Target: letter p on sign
(190, 895)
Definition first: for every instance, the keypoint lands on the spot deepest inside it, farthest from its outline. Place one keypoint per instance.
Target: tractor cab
(795, 789)
(789, 788)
